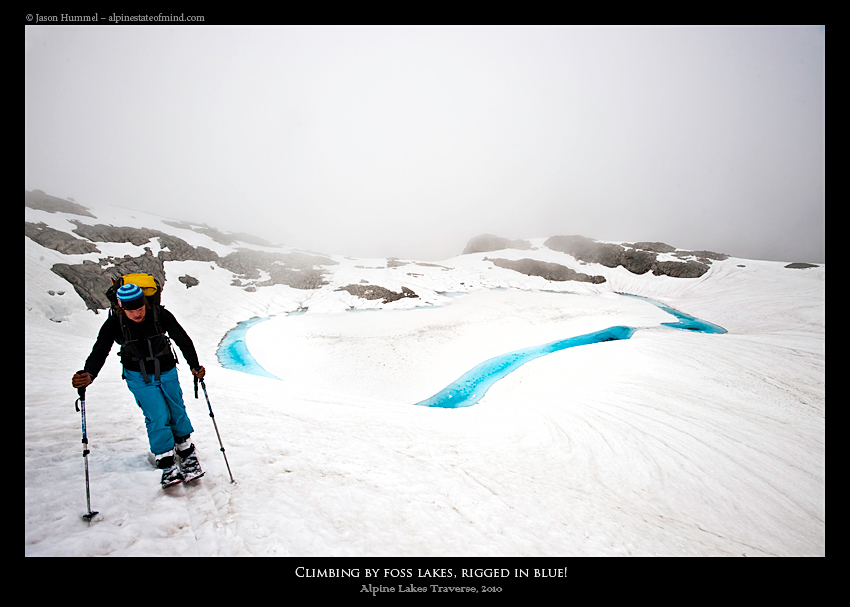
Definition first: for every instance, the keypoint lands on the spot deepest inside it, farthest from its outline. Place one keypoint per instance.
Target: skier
(149, 369)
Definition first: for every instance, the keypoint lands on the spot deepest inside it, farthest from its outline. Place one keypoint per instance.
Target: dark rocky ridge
(488, 242)
(798, 265)
(104, 233)
(297, 270)
(544, 269)
(45, 202)
(173, 248)
(638, 258)
(637, 261)
(91, 279)
(300, 270)
(218, 236)
(657, 247)
(58, 240)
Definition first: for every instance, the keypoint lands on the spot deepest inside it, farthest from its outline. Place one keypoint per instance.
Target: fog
(408, 141)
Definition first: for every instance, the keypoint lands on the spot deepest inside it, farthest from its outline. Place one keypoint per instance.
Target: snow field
(671, 443)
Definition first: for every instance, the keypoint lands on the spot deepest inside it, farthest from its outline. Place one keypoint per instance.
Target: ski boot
(171, 474)
(189, 464)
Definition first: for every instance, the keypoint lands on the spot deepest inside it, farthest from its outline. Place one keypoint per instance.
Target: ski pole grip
(196, 386)
(81, 391)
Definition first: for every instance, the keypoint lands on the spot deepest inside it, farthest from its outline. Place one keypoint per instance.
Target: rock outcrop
(295, 278)
(587, 250)
(639, 258)
(656, 247)
(173, 248)
(547, 270)
(297, 270)
(489, 242)
(189, 281)
(92, 279)
(679, 269)
(45, 202)
(801, 266)
(57, 240)
(104, 233)
(376, 292)
(220, 237)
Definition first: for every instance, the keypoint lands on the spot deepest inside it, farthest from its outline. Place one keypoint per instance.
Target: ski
(194, 477)
(171, 483)
(190, 467)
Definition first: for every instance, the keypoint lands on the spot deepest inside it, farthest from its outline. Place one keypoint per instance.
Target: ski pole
(206, 396)
(81, 403)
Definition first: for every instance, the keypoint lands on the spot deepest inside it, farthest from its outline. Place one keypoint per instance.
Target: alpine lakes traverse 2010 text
(375, 590)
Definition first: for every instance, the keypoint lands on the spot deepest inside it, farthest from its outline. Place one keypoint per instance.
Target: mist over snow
(406, 141)
(670, 443)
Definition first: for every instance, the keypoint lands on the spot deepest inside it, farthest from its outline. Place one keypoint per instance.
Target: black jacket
(140, 334)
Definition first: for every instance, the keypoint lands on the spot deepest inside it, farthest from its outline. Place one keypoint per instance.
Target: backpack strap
(132, 346)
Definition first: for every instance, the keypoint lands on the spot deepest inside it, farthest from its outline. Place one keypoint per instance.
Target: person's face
(137, 315)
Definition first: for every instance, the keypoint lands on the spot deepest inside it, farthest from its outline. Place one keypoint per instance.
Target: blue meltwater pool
(470, 387)
(233, 353)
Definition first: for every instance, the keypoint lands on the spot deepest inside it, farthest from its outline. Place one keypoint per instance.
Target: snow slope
(670, 443)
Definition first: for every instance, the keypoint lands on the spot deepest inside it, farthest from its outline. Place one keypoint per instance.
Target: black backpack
(135, 347)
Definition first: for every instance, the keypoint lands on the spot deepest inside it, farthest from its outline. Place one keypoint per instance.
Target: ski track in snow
(669, 443)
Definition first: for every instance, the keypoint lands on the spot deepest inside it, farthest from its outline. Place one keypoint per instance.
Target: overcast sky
(406, 142)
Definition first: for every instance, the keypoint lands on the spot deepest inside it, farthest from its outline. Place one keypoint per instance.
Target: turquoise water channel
(470, 387)
(685, 321)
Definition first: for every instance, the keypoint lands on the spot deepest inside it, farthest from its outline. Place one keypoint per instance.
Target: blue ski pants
(162, 403)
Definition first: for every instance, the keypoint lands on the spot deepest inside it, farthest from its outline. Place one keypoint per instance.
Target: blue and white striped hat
(131, 297)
